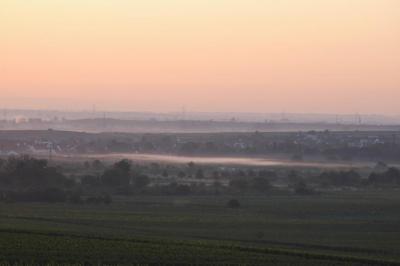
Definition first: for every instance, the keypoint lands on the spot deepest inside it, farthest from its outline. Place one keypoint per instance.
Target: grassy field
(338, 228)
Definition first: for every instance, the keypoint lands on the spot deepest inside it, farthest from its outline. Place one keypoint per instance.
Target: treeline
(389, 177)
(351, 178)
(26, 179)
(30, 172)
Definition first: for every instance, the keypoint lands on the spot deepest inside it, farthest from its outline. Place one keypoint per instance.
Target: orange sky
(330, 56)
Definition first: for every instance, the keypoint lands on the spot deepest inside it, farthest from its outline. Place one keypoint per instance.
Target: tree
(86, 164)
(181, 174)
(28, 172)
(261, 184)
(90, 180)
(251, 173)
(267, 174)
(301, 188)
(380, 167)
(118, 174)
(239, 184)
(165, 173)
(389, 177)
(393, 175)
(123, 165)
(341, 178)
(199, 174)
(141, 181)
(216, 174)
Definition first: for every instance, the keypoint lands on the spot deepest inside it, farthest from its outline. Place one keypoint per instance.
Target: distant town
(141, 122)
(306, 145)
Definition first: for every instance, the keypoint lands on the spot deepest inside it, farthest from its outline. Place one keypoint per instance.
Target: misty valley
(193, 132)
(297, 198)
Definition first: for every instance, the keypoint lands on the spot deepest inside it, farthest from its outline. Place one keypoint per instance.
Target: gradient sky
(329, 56)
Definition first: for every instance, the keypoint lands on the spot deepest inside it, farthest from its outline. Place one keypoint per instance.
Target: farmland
(338, 228)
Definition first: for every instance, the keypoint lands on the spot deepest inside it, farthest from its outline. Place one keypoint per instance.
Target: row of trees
(341, 178)
(29, 172)
(351, 178)
(389, 177)
(119, 175)
(28, 179)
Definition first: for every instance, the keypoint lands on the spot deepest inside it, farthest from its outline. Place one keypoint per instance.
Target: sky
(305, 56)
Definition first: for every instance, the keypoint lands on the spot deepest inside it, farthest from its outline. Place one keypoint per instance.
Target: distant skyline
(294, 56)
(90, 111)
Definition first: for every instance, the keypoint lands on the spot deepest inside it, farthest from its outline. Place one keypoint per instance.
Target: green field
(338, 228)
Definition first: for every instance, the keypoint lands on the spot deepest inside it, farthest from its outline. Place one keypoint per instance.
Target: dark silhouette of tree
(118, 174)
(86, 164)
(216, 174)
(240, 184)
(302, 188)
(341, 178)
(181, 174)
(251, 173)
(28, 172)
(267, 174)
(261, 184)
(199, 174)
(389, 177)
(141, 181)
(90, 180)
(165, 173)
